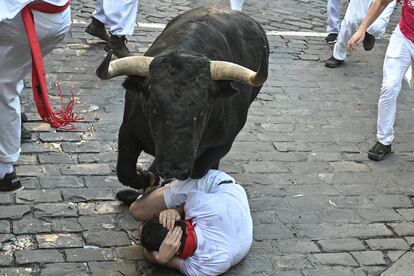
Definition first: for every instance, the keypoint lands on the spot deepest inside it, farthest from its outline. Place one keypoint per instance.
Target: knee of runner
(136, 210)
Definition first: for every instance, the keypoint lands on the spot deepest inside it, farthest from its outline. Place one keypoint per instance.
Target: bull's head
(179, 90)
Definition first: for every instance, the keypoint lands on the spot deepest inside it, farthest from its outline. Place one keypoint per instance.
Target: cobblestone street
(319, 205)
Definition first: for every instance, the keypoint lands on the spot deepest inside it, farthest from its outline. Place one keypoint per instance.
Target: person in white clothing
(236, 5)
(355, 13)
(15, 63)
(201, 226)
(120, 17)
(398, 60)
(333, 9)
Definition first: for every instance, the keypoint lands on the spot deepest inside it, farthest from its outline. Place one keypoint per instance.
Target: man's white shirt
(222, 219)
(10, 8)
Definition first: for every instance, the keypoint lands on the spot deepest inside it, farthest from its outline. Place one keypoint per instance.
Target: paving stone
(102, 181)
(16, 271)
(403, 266)
(13, 212)
(271, 232)
(100, 208)
(106, 238)
(369, 257)
(30, 226)
(38, 196)
(410, 240)
(388, 244)
(87, 194)
(112, 268)
(394, 255)
(59, 137)
(5, 237)
(338, 245)
(65, 225)
(252, 266)
(329, 271)
(51, 182)
(408, 214)
(55, 210)
(347, 166)
(86, 169)
(69, 269)
(38, 256)
(134, 252)
(322, 231)
(59, 240)
(296, 246)
(4, 227)
(290, 262)
(56, 158)
(342, 259)
(89, 254)
(6, 199)
(403, 229)
(101, 222)
(6, 258)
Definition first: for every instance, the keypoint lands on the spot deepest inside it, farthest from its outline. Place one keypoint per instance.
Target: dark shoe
(333, 62)
(331, 38)
(25, 134)
(97, 29)
(127, 196)
(10, 183)
(118, 46)
(379, 151)
(369, 42)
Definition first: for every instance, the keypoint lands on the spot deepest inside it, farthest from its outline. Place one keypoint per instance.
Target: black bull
(187, 98)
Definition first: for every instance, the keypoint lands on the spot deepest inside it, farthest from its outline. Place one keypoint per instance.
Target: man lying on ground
(217, 230)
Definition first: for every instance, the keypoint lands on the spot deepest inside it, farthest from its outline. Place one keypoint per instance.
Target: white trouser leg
(380, 24)
(355, 13)
(15, 63)
(334, 13)
(236, 5)
(120, 16)
(99, 13)
(398, 58)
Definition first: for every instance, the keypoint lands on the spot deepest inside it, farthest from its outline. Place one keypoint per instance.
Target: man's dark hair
(153, 233)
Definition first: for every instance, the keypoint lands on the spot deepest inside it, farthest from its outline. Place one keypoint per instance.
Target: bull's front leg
(129, 149)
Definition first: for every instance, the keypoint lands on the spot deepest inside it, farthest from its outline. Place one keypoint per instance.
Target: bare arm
(374, 11)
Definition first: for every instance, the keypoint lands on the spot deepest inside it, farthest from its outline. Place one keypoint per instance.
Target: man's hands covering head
(169, 217)
(169, 246)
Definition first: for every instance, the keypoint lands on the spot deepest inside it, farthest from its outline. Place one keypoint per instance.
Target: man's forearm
(374, 11)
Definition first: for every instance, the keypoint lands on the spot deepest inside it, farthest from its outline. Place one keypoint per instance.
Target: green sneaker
(379, 151)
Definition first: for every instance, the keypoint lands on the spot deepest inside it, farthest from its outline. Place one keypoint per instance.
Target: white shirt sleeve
(192, 266)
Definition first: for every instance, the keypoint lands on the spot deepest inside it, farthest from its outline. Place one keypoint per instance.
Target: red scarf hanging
(65, 116)
(190, 244)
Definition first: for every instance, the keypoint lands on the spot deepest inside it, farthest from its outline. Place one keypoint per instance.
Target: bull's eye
(195, 118)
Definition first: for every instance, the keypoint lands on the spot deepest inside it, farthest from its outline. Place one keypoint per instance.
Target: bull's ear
(226, 89)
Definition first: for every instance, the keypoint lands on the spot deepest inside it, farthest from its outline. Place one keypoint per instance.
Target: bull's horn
(131, 66)
(223, 70)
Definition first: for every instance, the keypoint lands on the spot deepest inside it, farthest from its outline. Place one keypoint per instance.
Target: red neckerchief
(39, 87)
(190, 244)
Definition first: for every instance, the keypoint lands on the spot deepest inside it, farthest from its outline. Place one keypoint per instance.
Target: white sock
(5, 168)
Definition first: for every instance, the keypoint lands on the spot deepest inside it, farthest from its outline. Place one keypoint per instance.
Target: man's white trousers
(355, 13)
(398, 58)
(119, 15)
(15, 64)
(334, 16)
(236, 5)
